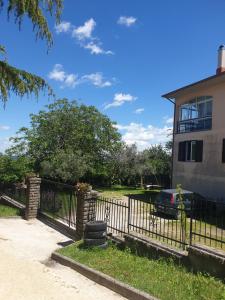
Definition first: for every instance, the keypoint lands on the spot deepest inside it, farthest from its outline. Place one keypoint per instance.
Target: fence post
(191, 221)
(33, 197)
(128, 219)
(86, 211)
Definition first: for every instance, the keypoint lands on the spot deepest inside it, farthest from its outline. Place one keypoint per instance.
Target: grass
(172, 229)
(119, 191)
(160, 278)
(7, 211)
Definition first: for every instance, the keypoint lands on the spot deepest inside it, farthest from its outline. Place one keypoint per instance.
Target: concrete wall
(206, 177)
(197, 259)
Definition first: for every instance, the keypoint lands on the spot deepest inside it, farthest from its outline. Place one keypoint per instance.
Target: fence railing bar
(154, 233)
(209, 238)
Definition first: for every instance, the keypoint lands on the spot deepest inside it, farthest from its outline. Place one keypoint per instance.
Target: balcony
(191, 125)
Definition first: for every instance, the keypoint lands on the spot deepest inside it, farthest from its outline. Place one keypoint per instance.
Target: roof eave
(173, 94)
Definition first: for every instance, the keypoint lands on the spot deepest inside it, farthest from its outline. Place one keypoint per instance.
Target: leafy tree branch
(16, 80)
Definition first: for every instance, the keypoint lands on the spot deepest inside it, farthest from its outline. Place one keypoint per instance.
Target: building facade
(199, 134)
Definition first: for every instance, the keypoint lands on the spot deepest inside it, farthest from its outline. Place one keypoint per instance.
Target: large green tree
(133, 166)
(14, 169)
(16, 80)
(68, 141)
(158, 161)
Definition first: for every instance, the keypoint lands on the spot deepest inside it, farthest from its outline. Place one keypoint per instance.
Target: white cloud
(168, 120)
(71, 80)
(127, 21)
(4, 127)
(84, 36)
(120, 99)
(63, 27)
(58, 74)
(96, 79)
(4, 144)
(139, 110)
(96, 48)
(144, 136)
(85, 31)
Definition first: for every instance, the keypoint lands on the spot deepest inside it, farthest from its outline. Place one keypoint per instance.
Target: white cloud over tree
(119, 99)
(144, 136)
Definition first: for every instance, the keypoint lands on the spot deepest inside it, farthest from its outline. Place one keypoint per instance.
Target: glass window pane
(184, 112)
(201, 110)
(208, 109)
(193, 150)
(188, 151)
(194, 111)
(196, 114)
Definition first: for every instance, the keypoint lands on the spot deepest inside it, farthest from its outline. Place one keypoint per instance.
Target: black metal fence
(16, 191)
(207, 224)
(115, 213)
(146, 219)
(58, 201)
(202, 223)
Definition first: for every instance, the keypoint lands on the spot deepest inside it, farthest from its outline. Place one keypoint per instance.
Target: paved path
(27, 273)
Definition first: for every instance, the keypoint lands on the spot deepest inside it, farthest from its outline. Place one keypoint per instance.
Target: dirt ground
(26, 272)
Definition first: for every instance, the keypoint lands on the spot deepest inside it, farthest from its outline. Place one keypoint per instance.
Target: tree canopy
(13, 79)
(136, 165)
(71, 142)
(68, 141)
(13, 169)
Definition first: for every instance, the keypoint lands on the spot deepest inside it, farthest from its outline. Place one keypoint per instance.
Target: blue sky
(120, 56)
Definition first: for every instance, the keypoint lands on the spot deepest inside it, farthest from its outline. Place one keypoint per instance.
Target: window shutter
(199, 151)
(223, 151)
(182, 151)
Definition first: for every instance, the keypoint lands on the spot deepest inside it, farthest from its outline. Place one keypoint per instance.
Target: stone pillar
(33, 197)
(86, 211)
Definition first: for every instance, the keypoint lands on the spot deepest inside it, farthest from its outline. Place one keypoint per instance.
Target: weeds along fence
(58, 201)
(202, 224)
(16, 191)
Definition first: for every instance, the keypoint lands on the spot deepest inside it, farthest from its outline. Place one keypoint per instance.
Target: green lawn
(160, 278)
(118, 191)
(7, 211)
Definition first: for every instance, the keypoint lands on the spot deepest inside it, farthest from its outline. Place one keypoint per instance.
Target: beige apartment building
(199, 134)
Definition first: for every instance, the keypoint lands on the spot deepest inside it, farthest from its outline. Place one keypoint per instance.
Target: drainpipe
(174, 129)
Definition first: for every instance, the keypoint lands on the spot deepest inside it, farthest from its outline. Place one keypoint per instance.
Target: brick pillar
(33, 197)
(86, 211)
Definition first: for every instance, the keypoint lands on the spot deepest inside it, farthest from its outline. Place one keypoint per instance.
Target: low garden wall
(196, 259)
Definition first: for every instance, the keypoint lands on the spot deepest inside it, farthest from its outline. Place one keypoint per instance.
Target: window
(223, 152)
(195, 115)
(191, 151)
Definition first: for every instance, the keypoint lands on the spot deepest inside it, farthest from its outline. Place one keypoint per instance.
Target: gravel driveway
(27, 273)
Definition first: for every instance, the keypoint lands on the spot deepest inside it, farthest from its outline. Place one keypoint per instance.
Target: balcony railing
(194, 125)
